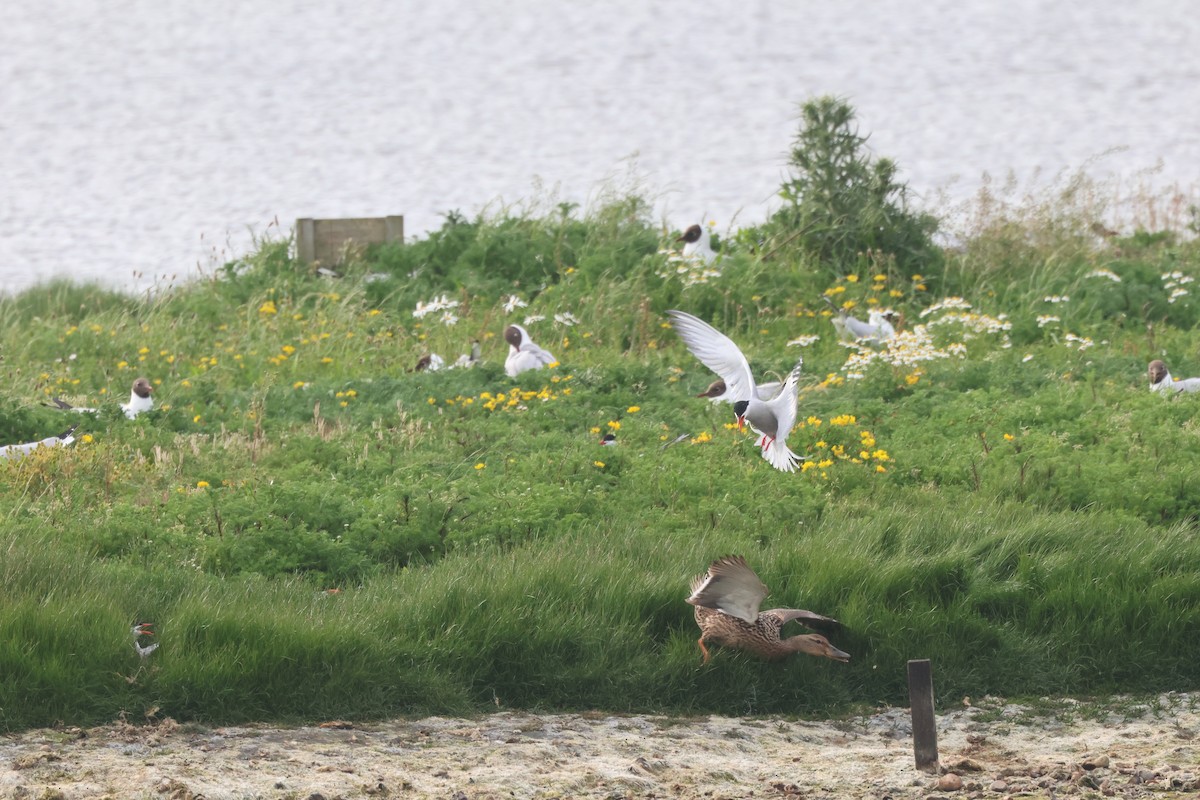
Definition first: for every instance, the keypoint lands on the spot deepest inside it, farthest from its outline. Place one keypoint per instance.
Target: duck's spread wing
(729, 586)
(808, 619)
(716, 351)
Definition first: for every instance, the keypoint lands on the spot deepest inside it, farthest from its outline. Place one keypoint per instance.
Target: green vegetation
(316, 531)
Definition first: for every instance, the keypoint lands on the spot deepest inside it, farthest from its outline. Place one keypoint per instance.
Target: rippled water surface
(151, 139)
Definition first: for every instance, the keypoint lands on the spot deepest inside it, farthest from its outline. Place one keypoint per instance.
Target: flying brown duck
(727, 598)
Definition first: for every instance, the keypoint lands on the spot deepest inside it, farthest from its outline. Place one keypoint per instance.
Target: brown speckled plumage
(727, 600)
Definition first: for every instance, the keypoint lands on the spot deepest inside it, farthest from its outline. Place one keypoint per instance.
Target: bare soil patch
(1124, 748)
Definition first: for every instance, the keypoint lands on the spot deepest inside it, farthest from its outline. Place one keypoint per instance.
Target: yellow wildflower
(633, 409)
(599, 464)
(616, 426)
(201, 484)
(86, 438)
(268, 308)
(480, 465)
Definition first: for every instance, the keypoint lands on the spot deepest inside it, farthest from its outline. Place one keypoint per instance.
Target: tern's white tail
(779, 455)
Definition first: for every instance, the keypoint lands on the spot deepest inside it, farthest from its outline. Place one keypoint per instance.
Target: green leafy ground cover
(317, 531)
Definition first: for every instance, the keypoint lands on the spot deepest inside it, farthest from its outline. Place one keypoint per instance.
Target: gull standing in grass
(697, 245)
(139, 401)
(727, 600)
(773, 418)
(18, 451)
(1162, 382)
(876, 330)
(523, 354)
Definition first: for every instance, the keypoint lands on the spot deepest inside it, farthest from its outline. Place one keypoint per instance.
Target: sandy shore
(993, 749)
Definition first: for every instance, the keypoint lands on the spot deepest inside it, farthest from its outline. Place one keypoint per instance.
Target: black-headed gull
(876, 330)
(773, 418)
(16, 451)
(727, 600)
(139, 630)
(523, 354)
(1161, 380)
(139, 401)
(430, 362)
(697, 245)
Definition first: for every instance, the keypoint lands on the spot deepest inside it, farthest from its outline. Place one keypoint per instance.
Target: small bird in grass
(139, 630)
(1161, 380)
(17, 451)
(727, 600)
(609, 440)
(772, 419)
(875, 331)
(523, 354)
(468, 359)
(139, 399)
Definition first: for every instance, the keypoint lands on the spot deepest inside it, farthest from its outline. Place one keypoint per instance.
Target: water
(149, 140)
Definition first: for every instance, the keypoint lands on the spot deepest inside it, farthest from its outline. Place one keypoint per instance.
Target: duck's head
(1157, 370)
(692, 234)
(142, 388)
(815, 645)
(715, 389)
(739, 411)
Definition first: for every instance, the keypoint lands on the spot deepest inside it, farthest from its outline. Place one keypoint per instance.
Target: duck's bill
(837, 655)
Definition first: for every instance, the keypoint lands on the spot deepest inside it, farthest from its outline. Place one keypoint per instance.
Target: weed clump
(842, 205)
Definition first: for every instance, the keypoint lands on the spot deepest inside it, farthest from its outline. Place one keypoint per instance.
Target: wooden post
(920, 698)
(305, 242)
